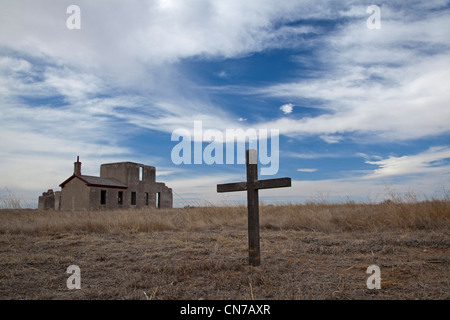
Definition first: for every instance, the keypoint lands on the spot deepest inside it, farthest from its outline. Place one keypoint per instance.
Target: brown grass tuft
(313, 217)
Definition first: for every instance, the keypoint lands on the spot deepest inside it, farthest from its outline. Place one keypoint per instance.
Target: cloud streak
(431, 161)
(123, 75)
(307, 170)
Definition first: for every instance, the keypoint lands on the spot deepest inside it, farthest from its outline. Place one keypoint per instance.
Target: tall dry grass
(351, 216)
(10, 200)
(312, 216)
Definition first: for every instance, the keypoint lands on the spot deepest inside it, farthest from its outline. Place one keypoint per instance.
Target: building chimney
(77, 167)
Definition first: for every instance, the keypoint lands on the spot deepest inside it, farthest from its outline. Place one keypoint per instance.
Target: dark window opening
(146, 198)
(103, 197)
(120, 197)
(158, 200)
(133, 198)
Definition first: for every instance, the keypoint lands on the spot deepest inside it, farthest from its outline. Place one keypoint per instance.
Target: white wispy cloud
(195, 189)
(312, 155)
(413, 106)
(287, 108)
(120, 73)
(307, 170)
(158, 33)
(153, 32)
(431, 161)
(331, 139)
(388, 84)
(222, 74)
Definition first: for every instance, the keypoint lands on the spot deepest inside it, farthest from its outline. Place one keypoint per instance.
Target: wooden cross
(252, 186)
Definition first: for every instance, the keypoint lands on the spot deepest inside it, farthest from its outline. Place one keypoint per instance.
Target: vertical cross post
(252, 185)
(253, 209)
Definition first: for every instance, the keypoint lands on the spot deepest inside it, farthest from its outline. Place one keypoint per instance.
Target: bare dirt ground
(207, 259)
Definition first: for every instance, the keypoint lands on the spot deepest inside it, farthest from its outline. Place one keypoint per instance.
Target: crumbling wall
(49, 200)
(165, 196)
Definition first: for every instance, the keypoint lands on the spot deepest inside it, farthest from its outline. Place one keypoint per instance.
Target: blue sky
(359, 111)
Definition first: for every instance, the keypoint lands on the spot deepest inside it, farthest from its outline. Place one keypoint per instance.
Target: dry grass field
(310, 251)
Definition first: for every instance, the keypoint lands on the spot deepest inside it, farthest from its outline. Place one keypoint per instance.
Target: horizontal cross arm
(229, 187)
(273, 183)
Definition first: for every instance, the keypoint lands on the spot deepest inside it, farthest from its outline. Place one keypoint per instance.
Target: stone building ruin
(121, 185)
(49, 200)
